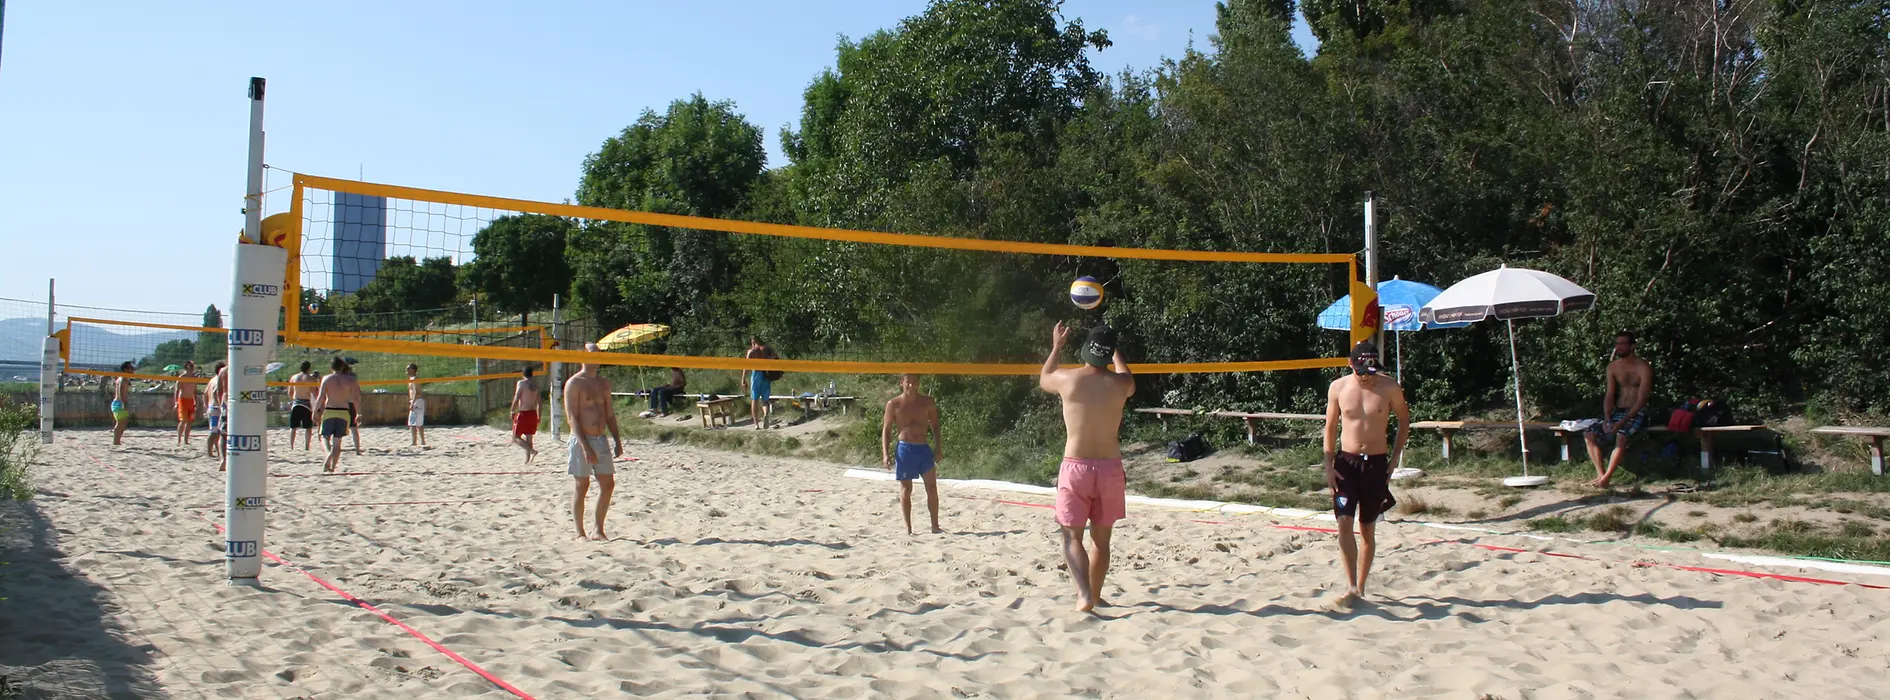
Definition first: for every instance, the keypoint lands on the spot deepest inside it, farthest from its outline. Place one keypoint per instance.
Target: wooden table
(722, 409)
(1874, 434)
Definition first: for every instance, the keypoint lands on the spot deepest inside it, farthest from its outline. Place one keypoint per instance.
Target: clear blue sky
(123, 131)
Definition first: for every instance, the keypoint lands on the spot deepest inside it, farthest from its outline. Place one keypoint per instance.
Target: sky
(124, 128)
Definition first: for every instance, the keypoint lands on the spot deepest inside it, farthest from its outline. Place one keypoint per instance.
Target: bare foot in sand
(1085, 605)
(599, 536)
(1348, 601)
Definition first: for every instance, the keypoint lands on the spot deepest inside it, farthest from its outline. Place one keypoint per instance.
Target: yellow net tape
(292, 333)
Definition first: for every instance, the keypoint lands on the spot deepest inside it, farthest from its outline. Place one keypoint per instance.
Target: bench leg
(1568, 444)
(1249, 431)
(1706, 455)
(1876, 456)
(1446, 445)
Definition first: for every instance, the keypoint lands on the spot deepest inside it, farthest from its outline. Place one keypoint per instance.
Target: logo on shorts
(260, 290)
(248, 502)
(236, 549)
(246, 337)
(244, 443)
(254, 396)
(254, 370)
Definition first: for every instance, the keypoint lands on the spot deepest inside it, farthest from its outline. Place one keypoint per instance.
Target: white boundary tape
(1299, 514)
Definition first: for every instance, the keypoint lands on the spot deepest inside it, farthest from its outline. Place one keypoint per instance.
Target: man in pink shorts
(1090, 483)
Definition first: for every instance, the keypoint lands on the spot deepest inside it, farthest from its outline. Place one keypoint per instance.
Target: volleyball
(314, 308)
(1086, 293)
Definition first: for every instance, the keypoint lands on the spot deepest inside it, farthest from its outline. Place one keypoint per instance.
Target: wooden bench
(1449, 428)
(1250, 418)
(722, 409)
(1873, 434)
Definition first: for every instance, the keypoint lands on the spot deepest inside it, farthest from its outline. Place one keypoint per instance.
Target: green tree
(403, 286)
(211, 347)
(520, 263)
(169, 352)
(699, 158)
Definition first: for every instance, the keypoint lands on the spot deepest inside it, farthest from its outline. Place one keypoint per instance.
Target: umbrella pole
(1398, 338)
(1515, 367)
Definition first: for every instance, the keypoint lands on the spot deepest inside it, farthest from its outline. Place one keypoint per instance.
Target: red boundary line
(350, 597)
(1517, 550)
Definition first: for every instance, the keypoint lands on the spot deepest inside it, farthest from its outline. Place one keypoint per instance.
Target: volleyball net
(357, 248)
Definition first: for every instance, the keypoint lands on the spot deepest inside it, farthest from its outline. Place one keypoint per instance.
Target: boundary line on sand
(1301, 514)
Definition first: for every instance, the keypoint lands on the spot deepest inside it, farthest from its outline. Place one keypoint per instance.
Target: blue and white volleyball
(1086, 293)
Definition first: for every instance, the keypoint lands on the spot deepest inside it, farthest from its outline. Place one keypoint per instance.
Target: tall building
(360, 228)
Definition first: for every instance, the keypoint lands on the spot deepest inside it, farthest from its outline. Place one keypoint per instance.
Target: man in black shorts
(301, 408)
(1358, 408)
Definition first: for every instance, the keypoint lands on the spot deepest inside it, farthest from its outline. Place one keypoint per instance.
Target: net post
(48, 372)
(557, 368)
(255, 297)
(1372, 271)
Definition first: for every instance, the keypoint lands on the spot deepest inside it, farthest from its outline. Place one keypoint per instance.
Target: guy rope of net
(344, 234)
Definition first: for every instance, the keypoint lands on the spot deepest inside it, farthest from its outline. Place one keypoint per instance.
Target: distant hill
(91, 345)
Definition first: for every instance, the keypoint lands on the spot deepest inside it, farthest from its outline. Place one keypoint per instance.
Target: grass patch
(1553, 523)
(1509, 501)
(19, 446)
(1745, 518)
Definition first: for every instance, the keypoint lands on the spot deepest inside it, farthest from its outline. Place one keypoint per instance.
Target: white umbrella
(1509, 293)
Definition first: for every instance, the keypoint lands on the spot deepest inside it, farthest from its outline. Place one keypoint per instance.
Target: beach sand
(734, 574)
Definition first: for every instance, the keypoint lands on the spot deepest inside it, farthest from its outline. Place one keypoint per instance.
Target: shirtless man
(588, 406)
(916, 416)
(1624, 404)
(525, 415)
(121, 393)
(301, 411)
(416, 407)
(184, 399)
(213, 395)
(217, 394)
(757, 385)
(1091, 487)
(1358, 407)
(336, 398)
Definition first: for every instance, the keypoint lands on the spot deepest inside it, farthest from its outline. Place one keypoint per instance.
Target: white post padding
(48, 387)
(253, 307)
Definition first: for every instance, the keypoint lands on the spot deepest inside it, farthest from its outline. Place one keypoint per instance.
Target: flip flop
(1683, 488)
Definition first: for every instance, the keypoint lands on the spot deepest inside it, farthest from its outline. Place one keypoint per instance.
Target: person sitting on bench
(660, 396)
(1623, 407)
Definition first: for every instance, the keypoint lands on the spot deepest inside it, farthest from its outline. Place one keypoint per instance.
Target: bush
(18, 448)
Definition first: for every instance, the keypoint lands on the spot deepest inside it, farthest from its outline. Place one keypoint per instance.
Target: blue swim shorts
(912, 460)
(759, 387)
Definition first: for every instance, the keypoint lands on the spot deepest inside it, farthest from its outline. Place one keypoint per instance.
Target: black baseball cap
(1100, 349)
(1365, 358)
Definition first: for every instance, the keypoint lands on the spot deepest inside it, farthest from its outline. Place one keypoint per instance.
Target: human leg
(905, 502)
(1078, 562)
(1098, 562)
(931, 500)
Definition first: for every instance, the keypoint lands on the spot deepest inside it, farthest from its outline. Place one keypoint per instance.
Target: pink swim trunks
(1091, 491)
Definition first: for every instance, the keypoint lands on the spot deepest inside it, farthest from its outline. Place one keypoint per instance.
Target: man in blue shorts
(759, 384)
(921, 445)
(121, 417)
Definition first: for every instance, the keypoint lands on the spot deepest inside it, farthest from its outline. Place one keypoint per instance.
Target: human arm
(1122, 373)
(1047, 379)
(1331, 436)
(1607, 396)
(1646, 373)
(610, 417)
(938, 436)
(885, 434)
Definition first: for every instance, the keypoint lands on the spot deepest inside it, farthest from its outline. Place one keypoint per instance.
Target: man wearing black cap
(1358, 407)
(1091, 487)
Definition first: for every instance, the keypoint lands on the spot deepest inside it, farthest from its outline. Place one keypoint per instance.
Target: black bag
(771, 374)
(1188, 449)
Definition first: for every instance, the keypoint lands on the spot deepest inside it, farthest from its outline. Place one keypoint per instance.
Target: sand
(739, 575)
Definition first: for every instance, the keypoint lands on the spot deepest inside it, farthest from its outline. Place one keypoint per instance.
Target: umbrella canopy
(272, 367)
(632, 334)
(172, 368)
(1509, 293)
(1400, 301)
(1504, 294)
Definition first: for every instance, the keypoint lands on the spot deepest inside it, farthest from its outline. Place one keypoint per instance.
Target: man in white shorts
(416, 407)
(587, 403)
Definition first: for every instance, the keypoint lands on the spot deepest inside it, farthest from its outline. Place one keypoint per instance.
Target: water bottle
(830, 391)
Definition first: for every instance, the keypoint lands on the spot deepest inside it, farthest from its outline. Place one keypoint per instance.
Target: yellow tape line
(790, 231)
(336, 342)
(142, 324)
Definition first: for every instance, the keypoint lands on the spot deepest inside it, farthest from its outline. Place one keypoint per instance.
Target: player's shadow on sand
(1417, 607)
(709, 541)
(59, 632)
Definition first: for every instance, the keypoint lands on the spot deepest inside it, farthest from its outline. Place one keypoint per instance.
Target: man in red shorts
(525, 415)
(1357, 408)
(1090, 483)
